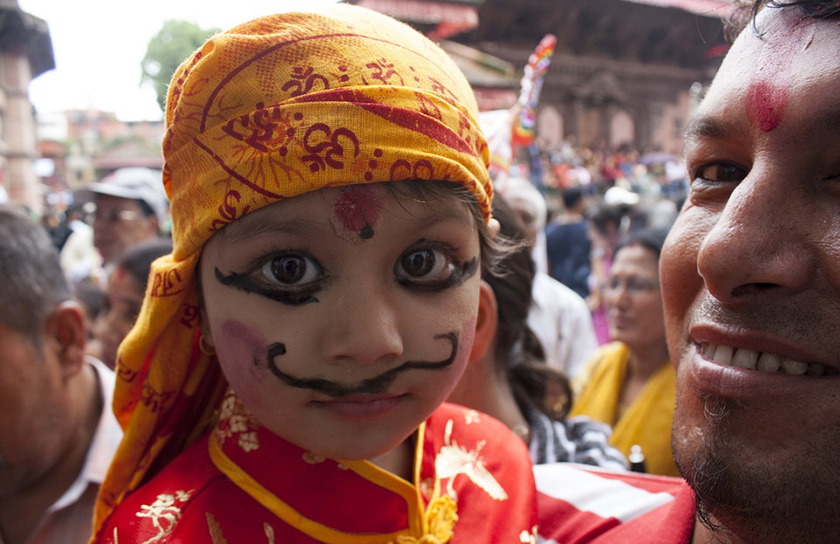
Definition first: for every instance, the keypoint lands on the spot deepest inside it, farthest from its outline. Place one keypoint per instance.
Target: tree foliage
(167, 50)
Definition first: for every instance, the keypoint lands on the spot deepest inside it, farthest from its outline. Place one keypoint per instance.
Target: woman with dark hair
(511, 381)
(630, 383)
(126, 287)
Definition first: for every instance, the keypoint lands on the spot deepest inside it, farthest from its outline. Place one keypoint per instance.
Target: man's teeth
(767, 362)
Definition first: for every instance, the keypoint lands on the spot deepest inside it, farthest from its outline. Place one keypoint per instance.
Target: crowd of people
(378, 343)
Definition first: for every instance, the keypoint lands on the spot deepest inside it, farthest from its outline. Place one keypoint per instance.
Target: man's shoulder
(585, 505)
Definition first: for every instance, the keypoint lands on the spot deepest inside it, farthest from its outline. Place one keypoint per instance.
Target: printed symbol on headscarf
(189, 316)
(428, 107)
(402, 169)
(343, 77)
(228, 211)
(383, 71)
(357, 210)
(166, 283)
(373, 164)
(154, 400)
(303, 80)
(330, 144)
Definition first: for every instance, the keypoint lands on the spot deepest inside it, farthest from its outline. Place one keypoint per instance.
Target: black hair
(746, 11)
(137, 260)
(32, 282)
(571, 197)
(652, 239)
(518, 353)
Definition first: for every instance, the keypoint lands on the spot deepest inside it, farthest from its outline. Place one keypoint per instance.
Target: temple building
(25, 53)
(624, 71)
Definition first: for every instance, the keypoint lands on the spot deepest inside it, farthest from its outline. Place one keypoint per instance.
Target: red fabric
(193, 501)
(646, 509)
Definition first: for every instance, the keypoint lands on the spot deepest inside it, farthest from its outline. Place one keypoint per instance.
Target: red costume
(242, 484)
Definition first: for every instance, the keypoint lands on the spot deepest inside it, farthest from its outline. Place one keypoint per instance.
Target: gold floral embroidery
(218, 538)
(269, 532)
(529, 537)
(472, 417)
(312, 458)
(215, 530)
(164, 513)
(454, 460)
(235, 421)
(427, 487)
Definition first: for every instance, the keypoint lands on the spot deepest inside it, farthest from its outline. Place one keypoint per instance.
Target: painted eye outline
(452, 273)
(254, 281)
(312, 267)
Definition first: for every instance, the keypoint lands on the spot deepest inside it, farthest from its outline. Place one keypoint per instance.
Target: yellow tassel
(443, 515)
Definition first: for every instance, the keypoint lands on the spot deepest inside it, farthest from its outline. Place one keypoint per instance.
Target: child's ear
(486, 323)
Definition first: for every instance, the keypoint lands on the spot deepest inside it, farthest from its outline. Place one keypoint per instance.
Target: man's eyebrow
(261, 225)
(711, 127)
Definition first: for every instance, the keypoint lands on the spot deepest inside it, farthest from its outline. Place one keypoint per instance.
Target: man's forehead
(768, 67)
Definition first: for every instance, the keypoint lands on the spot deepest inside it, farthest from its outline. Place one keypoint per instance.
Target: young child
(285, 379)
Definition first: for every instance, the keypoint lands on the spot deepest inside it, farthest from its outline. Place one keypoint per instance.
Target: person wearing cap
(131, 208)
(285, 380)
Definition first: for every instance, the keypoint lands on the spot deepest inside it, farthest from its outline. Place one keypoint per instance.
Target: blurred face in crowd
(120, 223)
(751, 285)
(633, 299)
(124, 299)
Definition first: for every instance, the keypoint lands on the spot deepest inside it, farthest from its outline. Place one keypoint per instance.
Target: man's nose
(759, 241)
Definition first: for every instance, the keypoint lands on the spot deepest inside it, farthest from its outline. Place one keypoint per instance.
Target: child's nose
(365, 328)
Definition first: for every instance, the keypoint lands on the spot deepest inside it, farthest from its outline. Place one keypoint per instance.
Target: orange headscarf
(271, 109)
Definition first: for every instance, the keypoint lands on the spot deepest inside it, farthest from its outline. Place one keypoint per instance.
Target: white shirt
(562, 322)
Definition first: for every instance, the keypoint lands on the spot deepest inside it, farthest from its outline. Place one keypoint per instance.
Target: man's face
(751, 285)
(31, 418)
(118, 224)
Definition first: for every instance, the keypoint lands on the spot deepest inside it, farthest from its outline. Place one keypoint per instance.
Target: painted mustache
(374, 385)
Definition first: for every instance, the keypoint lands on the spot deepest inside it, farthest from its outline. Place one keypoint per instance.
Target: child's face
(343, 317)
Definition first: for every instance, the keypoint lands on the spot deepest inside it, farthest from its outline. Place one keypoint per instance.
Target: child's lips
(361, 406)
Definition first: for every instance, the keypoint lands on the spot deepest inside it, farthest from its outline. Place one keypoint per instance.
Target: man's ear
(486, 323)
(65, 333)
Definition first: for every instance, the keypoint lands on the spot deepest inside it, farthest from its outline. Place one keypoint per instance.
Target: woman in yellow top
(630, 383)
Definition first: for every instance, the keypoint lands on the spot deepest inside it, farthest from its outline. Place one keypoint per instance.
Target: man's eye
(422, 263)
(720, 172)
(291, 270)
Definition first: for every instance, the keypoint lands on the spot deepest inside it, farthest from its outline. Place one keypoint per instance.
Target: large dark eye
(418, 263)
(291, 270)
(421, 263)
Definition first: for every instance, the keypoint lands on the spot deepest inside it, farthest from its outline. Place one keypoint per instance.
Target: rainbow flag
(529, 94)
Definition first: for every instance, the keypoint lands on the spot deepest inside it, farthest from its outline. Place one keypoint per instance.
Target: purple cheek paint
(239, 340)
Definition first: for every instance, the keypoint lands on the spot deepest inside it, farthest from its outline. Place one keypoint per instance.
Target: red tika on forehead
(357, 209)
(766, 104)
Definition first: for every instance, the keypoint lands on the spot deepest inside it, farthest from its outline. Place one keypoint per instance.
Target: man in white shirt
(57, 431)
(559, 317)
